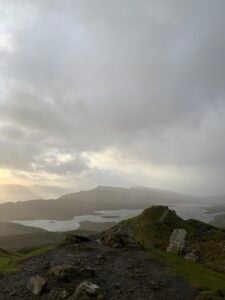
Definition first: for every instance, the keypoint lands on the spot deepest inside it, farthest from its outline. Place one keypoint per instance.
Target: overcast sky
(127, 93)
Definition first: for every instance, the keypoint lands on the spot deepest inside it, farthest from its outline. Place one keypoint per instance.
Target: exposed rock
(192, 256)
(72, 239)
(58, 293)
(87, 272)
(13, 293)
(63, 272)
(36, 285)
(87, 291)
(116, 286)
(177, 241)
(119, 237)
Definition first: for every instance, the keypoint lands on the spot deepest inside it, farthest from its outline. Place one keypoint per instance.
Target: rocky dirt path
(120, 273)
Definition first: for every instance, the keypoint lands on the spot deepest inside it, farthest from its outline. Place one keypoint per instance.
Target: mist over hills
(97, 199)
(17, 192)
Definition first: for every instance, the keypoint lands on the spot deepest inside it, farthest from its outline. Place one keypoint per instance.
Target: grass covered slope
(11, 228)
(155, 225)
(205, 278)
(153, 229)
(10, 262)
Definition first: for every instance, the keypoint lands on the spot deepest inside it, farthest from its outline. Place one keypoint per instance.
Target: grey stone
(119, 237)
(192, 256)
(63, 272)
(36, 285)
(177, 241)
(87, 291)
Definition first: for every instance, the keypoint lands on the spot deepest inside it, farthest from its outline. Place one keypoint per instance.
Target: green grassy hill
(153, 229)
(155, 225)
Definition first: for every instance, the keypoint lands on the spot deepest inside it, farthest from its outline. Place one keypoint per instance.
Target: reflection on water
(184, 211)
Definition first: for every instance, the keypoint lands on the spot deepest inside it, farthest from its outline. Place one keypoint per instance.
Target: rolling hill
(85, 202)
(154, 226)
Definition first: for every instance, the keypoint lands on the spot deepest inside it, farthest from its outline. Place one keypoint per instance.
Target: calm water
(184, 211)
(192, 212)
(98, 216)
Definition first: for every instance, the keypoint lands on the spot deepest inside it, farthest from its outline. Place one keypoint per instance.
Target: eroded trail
(120, 273)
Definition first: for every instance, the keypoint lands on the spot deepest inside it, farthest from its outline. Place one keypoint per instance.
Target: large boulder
(177, 241)
(119, 237)
(63, 273)
(36, 285)
(87, 291)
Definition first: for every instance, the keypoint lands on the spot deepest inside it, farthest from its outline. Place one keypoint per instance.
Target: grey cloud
(145, 77)
(74, 166)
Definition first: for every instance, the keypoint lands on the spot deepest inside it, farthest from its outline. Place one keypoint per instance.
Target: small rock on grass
(192, 256)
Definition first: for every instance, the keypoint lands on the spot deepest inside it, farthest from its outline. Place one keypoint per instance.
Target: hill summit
(156, 225)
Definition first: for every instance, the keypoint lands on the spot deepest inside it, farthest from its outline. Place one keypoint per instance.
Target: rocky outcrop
(73, 239)
(177, 241)
(87, 291)
(63, 273)
(119, 237)
(36, 285)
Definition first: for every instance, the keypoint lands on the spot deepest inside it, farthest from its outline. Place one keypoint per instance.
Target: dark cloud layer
(114, 92)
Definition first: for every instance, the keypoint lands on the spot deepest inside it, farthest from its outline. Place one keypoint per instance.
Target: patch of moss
(8, 264)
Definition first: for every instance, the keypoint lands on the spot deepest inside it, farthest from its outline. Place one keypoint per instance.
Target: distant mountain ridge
(85, 202)
(98, 199)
